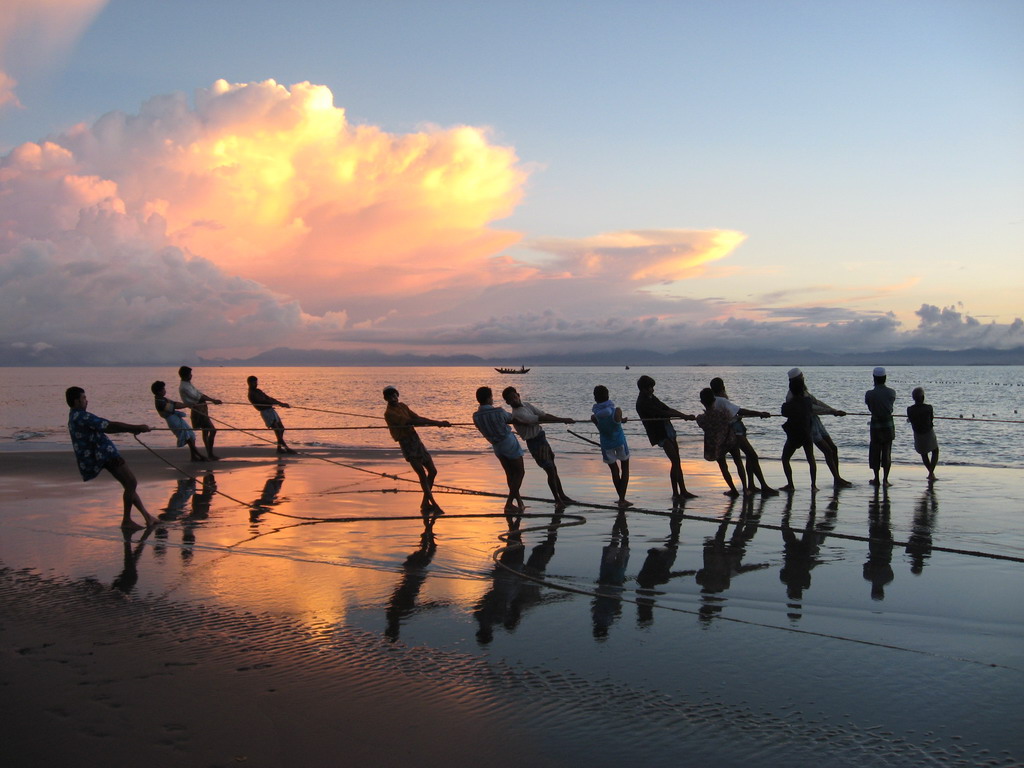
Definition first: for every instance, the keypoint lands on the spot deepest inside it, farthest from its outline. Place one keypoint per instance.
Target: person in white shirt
(527, 420)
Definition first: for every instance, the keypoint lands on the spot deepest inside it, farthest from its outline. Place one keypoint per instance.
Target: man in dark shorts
(402, 422)
(95, 452)
(527, 419)
(197, 402)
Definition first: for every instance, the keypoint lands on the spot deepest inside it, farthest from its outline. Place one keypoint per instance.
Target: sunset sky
(508, 178)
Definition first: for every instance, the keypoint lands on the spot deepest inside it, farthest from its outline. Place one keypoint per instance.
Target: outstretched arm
(113, 427)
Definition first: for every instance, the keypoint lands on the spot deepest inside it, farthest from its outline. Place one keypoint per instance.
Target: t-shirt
(718, 433)
(530, 414)
(655, 415)
(493, 422)
(397, 416)
(609, 429)
(192, 397)
(920, 416)
(93, 449)
(260, 400)
(880, 401)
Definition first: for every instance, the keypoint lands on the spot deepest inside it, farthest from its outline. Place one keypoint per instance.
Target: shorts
(113, 463)
(618, 453)
(271, 419)
(181, 430)
(925, 442)
(413, 450)
(541, 451)
(201, 420)
(670, 434)
(508, 447)
(739, 428)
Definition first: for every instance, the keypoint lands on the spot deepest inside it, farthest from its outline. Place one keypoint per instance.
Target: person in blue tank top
(609, 420)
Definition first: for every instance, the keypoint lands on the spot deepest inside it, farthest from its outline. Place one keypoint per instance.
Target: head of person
(158, 387)
(707, 397)
(601, 394)
(511, 396)
(185, 373)
(918, 395)
(796, 381)
(73, 396)
(390, 393)
(484, 395)
(252, 381)
(645, 383)
(718, 387)
(879, 375)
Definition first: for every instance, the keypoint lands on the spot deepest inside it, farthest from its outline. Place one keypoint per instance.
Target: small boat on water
(520, 369)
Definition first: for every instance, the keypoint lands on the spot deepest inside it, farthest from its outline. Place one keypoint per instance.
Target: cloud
(35, 32)
(249, 219)
(275, 185)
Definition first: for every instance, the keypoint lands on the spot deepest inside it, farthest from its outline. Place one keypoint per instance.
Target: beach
(298, 611)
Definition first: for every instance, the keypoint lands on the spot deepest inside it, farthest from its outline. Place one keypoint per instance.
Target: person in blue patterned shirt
(95, 452)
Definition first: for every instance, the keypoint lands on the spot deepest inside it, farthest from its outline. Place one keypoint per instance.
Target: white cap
(879, 371)
(795, 373)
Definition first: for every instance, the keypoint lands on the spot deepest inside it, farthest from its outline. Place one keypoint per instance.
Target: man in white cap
(819, 435)
(880, 401)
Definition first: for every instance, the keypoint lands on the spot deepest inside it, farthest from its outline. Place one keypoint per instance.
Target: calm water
(32, 410)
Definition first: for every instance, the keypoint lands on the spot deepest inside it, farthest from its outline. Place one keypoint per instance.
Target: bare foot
(843, 483)
(788, 488)
(623, 503)
(131, 525)
(767, 491)
(732, 493)
(873, 481)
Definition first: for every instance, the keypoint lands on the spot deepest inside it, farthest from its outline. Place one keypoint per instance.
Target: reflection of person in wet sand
(819, 435)
(268, 498)
(655, 416)
(494, 424)
(719, 440)
(402, 422)
(724, 559)
(878, 568)
(736, 414)
(129, 576)
(919, 543)
(95, 452)
(800, 555)
(921, 418)
(414, 572)
(657, 570)
(500, 604)
(264, 403)
(606, 607)
(527, 419)
(608, 419)
(168, 410)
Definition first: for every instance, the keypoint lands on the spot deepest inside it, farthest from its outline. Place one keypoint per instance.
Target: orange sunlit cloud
(642, 256)
(273, 184)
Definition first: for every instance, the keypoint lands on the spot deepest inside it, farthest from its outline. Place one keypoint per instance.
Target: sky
(191, 179)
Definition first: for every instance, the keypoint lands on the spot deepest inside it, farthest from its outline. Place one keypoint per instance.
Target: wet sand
(254, 636)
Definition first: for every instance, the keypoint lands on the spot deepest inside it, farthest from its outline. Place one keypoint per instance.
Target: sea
(979, 409)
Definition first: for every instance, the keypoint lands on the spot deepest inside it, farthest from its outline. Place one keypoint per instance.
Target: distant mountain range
(284, 356)
(98, 355)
